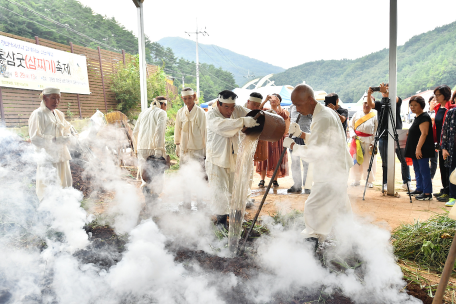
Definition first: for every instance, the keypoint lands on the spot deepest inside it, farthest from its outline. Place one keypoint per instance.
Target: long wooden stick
(449, 264)
(242, 247)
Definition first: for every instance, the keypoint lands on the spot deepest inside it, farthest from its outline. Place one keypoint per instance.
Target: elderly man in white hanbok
(149, 136)
(224, 122)
(325, 147)
(190, 138)
(363, 127)
(50, 132)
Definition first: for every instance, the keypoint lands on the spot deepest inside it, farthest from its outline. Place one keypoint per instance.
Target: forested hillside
(235, 63)
(63, 21)
(425, 61)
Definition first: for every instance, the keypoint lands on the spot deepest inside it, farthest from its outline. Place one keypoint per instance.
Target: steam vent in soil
(54, 251)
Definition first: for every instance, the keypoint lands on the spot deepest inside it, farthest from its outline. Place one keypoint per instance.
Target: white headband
(255, 99)
(48, 91)
(229, 100)
(187, 93)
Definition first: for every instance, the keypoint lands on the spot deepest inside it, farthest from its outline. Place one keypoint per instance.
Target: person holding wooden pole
(325, 147)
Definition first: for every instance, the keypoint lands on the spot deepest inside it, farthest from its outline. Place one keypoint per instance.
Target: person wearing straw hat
(224, 122)
(190, 137)
(325, 147)
(50, 132)
(149, 137)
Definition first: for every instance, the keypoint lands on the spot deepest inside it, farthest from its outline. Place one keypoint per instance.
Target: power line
(63, 25)
(230, 85)
(227, 59)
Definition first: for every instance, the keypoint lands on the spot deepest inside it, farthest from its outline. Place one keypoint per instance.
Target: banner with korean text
(26, 65)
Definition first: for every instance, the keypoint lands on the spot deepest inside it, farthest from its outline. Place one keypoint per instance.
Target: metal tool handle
(242, 247)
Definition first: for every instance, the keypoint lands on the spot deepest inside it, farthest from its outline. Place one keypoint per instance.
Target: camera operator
(343, 113)
(383, 141)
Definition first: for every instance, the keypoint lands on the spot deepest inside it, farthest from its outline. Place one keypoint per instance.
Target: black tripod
(386, 112)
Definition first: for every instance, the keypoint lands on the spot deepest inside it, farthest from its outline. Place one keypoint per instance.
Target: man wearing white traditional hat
(190, 136)
(223, 125)
(149, 136)
(49, 131)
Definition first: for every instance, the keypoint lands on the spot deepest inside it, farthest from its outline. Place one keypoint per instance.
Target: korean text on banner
(29, 66)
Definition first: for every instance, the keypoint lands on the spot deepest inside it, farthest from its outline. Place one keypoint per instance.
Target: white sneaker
(404, 186)
(370, 185)
(354, 184)
(384, 187)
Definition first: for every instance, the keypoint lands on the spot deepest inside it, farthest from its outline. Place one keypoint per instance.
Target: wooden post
(102, 80)
(2, 112)
(447, 269)
(123, 56)
(37, 40)
(77, 95)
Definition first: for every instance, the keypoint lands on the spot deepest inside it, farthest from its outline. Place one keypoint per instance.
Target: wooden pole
(2, 112)
(449, 264)
(37, 40)
(77, 95)
(242, 247)
(123, 56)
(102, 80)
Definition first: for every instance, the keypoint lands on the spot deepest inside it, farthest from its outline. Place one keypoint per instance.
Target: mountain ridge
(424, 61)
(239, 65)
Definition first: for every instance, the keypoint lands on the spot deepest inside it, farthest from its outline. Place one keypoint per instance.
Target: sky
(284, 33)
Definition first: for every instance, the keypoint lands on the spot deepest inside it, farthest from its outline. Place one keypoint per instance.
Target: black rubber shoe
(313, 240)
(275, 184)
(261, 184)
(222, 221)
(294, 189)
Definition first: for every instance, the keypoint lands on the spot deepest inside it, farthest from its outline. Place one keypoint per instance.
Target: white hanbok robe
(367, 127)
(46, 127)
(149, 135)
(221, 150)
(326, 149)
(190, 133)
(149, 132)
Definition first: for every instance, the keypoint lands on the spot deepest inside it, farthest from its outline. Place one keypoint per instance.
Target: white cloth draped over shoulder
(149, 131)
(223, 138)
(326, 148)
(190, 130)
(46, 130)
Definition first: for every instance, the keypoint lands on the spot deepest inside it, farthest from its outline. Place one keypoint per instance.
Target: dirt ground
(386, 211)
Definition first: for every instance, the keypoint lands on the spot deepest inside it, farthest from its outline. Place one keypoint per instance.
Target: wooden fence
(16, 105)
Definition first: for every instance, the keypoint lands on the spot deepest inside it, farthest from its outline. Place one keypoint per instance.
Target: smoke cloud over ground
(44, 246)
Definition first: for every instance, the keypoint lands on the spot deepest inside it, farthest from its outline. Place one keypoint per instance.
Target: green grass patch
(426, 243)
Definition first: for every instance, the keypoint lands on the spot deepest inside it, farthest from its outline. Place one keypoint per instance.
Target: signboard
(29, 66)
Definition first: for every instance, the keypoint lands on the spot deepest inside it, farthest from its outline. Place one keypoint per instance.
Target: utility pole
(183, 81)
(142, 54)
(204, 33)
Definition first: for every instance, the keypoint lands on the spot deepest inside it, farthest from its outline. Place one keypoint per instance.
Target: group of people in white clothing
(212, 139)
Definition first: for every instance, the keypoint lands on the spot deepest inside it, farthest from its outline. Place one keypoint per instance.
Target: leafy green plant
(427, 243)
(125, 84)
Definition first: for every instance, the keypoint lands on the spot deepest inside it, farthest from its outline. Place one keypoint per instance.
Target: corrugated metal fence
(16, 105)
